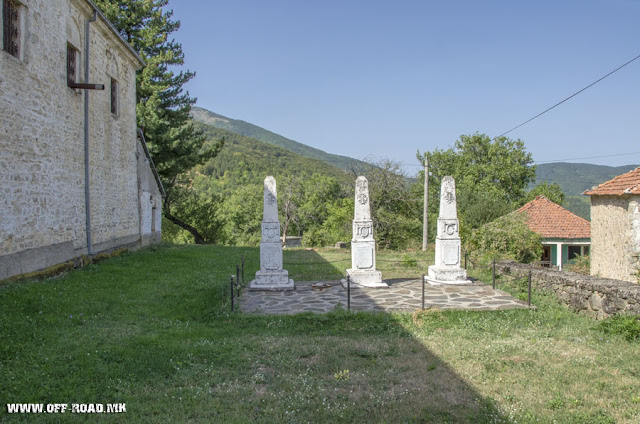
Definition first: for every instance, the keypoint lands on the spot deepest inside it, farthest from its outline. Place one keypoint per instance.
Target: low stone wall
(601, 297)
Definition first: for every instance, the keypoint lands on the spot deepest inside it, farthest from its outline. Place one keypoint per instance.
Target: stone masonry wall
(601, 297)
(615, 237)
(42, 201)
(150, 200)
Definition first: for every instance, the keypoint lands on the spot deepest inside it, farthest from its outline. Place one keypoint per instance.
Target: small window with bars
(114, 97)
(72, 64)
(11, 27)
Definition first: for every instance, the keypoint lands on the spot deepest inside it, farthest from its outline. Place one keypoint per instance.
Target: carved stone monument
(447, 268)
(271, 275)
(363, 246)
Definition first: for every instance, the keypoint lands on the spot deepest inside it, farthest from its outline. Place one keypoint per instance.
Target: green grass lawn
(152, 329)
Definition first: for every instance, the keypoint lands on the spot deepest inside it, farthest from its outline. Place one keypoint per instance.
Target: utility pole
(426, 204)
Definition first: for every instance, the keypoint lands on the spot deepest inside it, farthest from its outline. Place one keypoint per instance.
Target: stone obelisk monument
(447, 268)
(271, 275)
(363, 246)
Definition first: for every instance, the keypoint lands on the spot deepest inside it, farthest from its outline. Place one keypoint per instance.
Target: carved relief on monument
(271, 232)
(449, 228)
(362, 191)
(362, 185)
(448, 192)
(363, 230)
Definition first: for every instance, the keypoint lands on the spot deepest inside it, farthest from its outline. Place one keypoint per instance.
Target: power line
(571, 96)
(587, 157)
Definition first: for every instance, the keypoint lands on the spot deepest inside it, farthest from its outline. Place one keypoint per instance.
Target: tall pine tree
(163, 106)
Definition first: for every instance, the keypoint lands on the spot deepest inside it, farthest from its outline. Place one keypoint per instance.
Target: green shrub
(507, 237)
(580, 264)
(409, 262)
(624, 325)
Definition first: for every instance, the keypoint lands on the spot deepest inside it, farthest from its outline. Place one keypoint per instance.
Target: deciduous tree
(491, 176)
(551, 191)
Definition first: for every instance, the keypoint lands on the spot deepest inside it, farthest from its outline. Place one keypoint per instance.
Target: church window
(114, 97)
(72, 64)
(11, 27)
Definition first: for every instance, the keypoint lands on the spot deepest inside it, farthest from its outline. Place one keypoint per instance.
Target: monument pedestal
(272, 281)
(362, 278)
(440, 276)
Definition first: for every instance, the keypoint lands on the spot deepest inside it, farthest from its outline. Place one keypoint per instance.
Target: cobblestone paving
(402, 295)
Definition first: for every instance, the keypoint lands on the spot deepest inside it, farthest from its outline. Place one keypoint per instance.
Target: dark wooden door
(546, 256)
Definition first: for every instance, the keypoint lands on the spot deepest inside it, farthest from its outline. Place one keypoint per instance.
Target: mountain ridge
(256, 132)
(573, 178)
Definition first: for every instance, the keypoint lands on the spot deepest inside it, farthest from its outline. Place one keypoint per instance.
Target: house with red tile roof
(565, 235)
(615, 220)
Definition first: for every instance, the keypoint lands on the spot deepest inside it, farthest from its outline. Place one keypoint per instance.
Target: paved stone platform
(402, 295)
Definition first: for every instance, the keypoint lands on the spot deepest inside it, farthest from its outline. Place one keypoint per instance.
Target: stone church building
(75, 175)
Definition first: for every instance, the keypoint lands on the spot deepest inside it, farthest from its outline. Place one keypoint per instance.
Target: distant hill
(244, 160)
(253, 131)
(574, 178)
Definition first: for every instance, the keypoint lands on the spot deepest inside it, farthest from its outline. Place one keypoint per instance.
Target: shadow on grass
(152, 329)
(381, 372)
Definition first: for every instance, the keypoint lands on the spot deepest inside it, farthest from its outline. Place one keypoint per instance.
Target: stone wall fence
(596, 296)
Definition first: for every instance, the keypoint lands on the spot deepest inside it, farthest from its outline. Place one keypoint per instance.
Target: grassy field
(152, 329)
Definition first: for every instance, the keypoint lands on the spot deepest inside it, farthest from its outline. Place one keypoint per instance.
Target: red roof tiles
(551, 220)
(628, 183)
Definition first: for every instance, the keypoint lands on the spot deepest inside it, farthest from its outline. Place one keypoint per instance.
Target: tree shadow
(387, 367)
(153, 330)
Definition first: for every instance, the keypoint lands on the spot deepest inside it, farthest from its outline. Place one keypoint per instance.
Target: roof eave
(116, 33)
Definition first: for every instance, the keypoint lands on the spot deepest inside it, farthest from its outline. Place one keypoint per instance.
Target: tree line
(213, 178)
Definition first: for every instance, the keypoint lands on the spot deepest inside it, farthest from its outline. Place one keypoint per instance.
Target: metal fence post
(243, 270)
(238, 279)
(529, 297)
(348, 293)
(465, 259)
(231, 279)
(423, 292)
(494, 274)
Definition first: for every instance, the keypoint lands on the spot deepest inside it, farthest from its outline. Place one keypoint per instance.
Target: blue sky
(383, 79)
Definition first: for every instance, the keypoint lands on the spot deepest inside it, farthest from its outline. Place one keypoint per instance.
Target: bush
(580, 264)
(624, 325)
(507, 237)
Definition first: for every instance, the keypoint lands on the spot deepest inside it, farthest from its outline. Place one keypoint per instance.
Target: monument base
(447, 276)
(272, 281)
(365, 279)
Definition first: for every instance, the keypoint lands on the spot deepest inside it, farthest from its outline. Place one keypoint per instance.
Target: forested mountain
(253, 131)
(244, 160)
(574, 178)
(223, 197)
